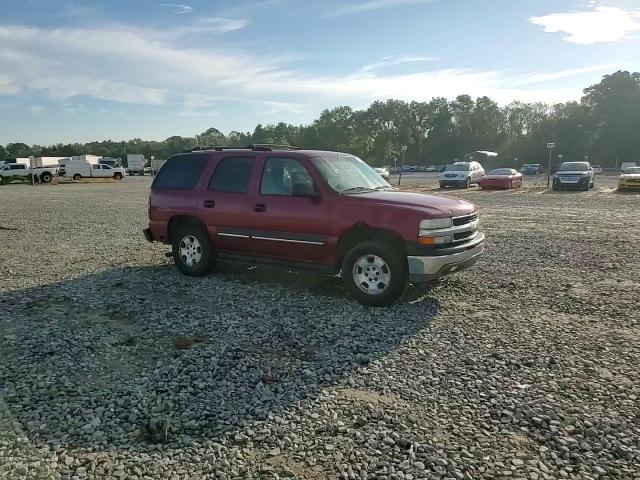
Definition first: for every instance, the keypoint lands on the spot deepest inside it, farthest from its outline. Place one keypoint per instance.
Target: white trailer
(135, 163)
(91, 159)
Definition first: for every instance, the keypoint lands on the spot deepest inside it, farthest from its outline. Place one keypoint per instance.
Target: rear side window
(17, 167)
(181, 172)
(232, 175)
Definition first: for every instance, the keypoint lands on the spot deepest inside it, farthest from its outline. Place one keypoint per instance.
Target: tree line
(604, 125)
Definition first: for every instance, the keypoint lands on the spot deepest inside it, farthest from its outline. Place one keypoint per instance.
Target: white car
(596, 169)
(461, 174)
(383, 172)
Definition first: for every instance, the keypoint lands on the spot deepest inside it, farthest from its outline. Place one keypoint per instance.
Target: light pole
(404, 153)
(550, 146)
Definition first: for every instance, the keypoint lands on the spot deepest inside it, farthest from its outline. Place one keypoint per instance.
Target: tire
(587, 187)
(441, 185)
(117, 176)
(388, 265)
(555, 187)
(192, 250)
(77, 177)
(46, 177)
(468, 184)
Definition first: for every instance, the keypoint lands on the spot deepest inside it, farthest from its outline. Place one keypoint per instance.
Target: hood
(495, 177)
(572, 172)
(433, 205)
(630, 175)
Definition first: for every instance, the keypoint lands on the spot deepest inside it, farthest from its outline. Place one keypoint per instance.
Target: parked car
(383, 172)
(77, 171)
(626, 166)
(461, 174)
(532, 169)
(629, 180)
(597, 169)
(441, 168)
(327, 212)
(421, 168)
(43, 174)
(431, 168)
(505, 178)
(574, 175)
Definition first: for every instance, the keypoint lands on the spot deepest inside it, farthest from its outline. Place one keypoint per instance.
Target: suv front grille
(458, 221)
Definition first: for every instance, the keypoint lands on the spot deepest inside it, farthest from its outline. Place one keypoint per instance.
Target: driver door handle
(208, 204)
(259, 207)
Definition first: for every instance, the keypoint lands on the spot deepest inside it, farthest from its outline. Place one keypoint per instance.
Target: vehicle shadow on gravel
(133, 356)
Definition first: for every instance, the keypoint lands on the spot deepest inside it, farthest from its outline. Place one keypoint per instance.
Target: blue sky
(93, 70)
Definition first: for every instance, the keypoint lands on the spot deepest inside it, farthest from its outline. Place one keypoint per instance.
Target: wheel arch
(178, 221)
(361, 232)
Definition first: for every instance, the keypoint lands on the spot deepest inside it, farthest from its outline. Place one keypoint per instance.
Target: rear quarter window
(181, 172)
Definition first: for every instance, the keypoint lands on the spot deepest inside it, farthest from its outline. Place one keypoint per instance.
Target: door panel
(287, 226)
(226, 203)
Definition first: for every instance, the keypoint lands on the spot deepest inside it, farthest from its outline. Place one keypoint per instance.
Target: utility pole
(404, 153)
(550, 146)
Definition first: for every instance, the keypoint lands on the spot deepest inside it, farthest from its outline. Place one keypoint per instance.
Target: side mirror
(303, 190)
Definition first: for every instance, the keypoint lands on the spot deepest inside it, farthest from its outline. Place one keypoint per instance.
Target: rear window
(181, 172)
(232, 175)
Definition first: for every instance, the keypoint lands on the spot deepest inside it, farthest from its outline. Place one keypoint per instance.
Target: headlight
(435, 223)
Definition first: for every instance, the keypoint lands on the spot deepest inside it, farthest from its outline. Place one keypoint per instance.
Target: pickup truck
(317, 210)
(44, 174)
(77, 171)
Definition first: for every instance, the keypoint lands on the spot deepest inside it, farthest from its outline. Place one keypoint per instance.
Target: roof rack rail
(267, 147)
(217, 148)
(257, 147)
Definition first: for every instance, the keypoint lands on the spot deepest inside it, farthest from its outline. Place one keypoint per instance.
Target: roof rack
(267, 147)
(256, 147)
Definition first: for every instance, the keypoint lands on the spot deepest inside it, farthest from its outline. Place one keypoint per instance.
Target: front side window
(280, 175)
(96, 167)
(232, 175)
(181, 172)
(347, 173)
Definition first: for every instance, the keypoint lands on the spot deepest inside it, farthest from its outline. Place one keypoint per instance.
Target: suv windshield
(463, 167)
(501, 171)
(574, 167)
(348, 174)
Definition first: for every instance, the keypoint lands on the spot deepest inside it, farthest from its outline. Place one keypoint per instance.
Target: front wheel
(46, 177)
(117, 176)
(192, 251)
(77, 177)
(375, 273)
(468, 184)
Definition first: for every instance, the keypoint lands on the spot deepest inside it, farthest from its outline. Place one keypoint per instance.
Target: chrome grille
(457, 221)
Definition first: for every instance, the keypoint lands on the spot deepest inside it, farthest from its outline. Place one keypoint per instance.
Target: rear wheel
(46, 177)
(375, 273)
(77, 176)
(192, 250)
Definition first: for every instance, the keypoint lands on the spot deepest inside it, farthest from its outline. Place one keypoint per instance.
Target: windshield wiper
(357, 190)
(382, 188)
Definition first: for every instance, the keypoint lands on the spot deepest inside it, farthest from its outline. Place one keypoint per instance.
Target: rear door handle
(259, 207)
(208, 204)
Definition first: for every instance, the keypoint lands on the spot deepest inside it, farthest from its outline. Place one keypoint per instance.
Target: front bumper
(452, 182)
(628, 185)
(579, 184)
(427, 268)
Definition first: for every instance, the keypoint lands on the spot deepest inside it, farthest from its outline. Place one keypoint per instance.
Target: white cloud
(602, 24)
(209, 25)
(532, 78)
(36, 109)
(370, 5)
(134, 65)
(395, 60)
(178, 7)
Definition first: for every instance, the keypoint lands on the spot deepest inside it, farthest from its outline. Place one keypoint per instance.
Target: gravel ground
(113, 365)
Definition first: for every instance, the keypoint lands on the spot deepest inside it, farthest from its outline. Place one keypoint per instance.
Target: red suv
(325, 211)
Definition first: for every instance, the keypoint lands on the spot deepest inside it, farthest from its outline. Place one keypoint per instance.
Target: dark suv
(326, 211)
